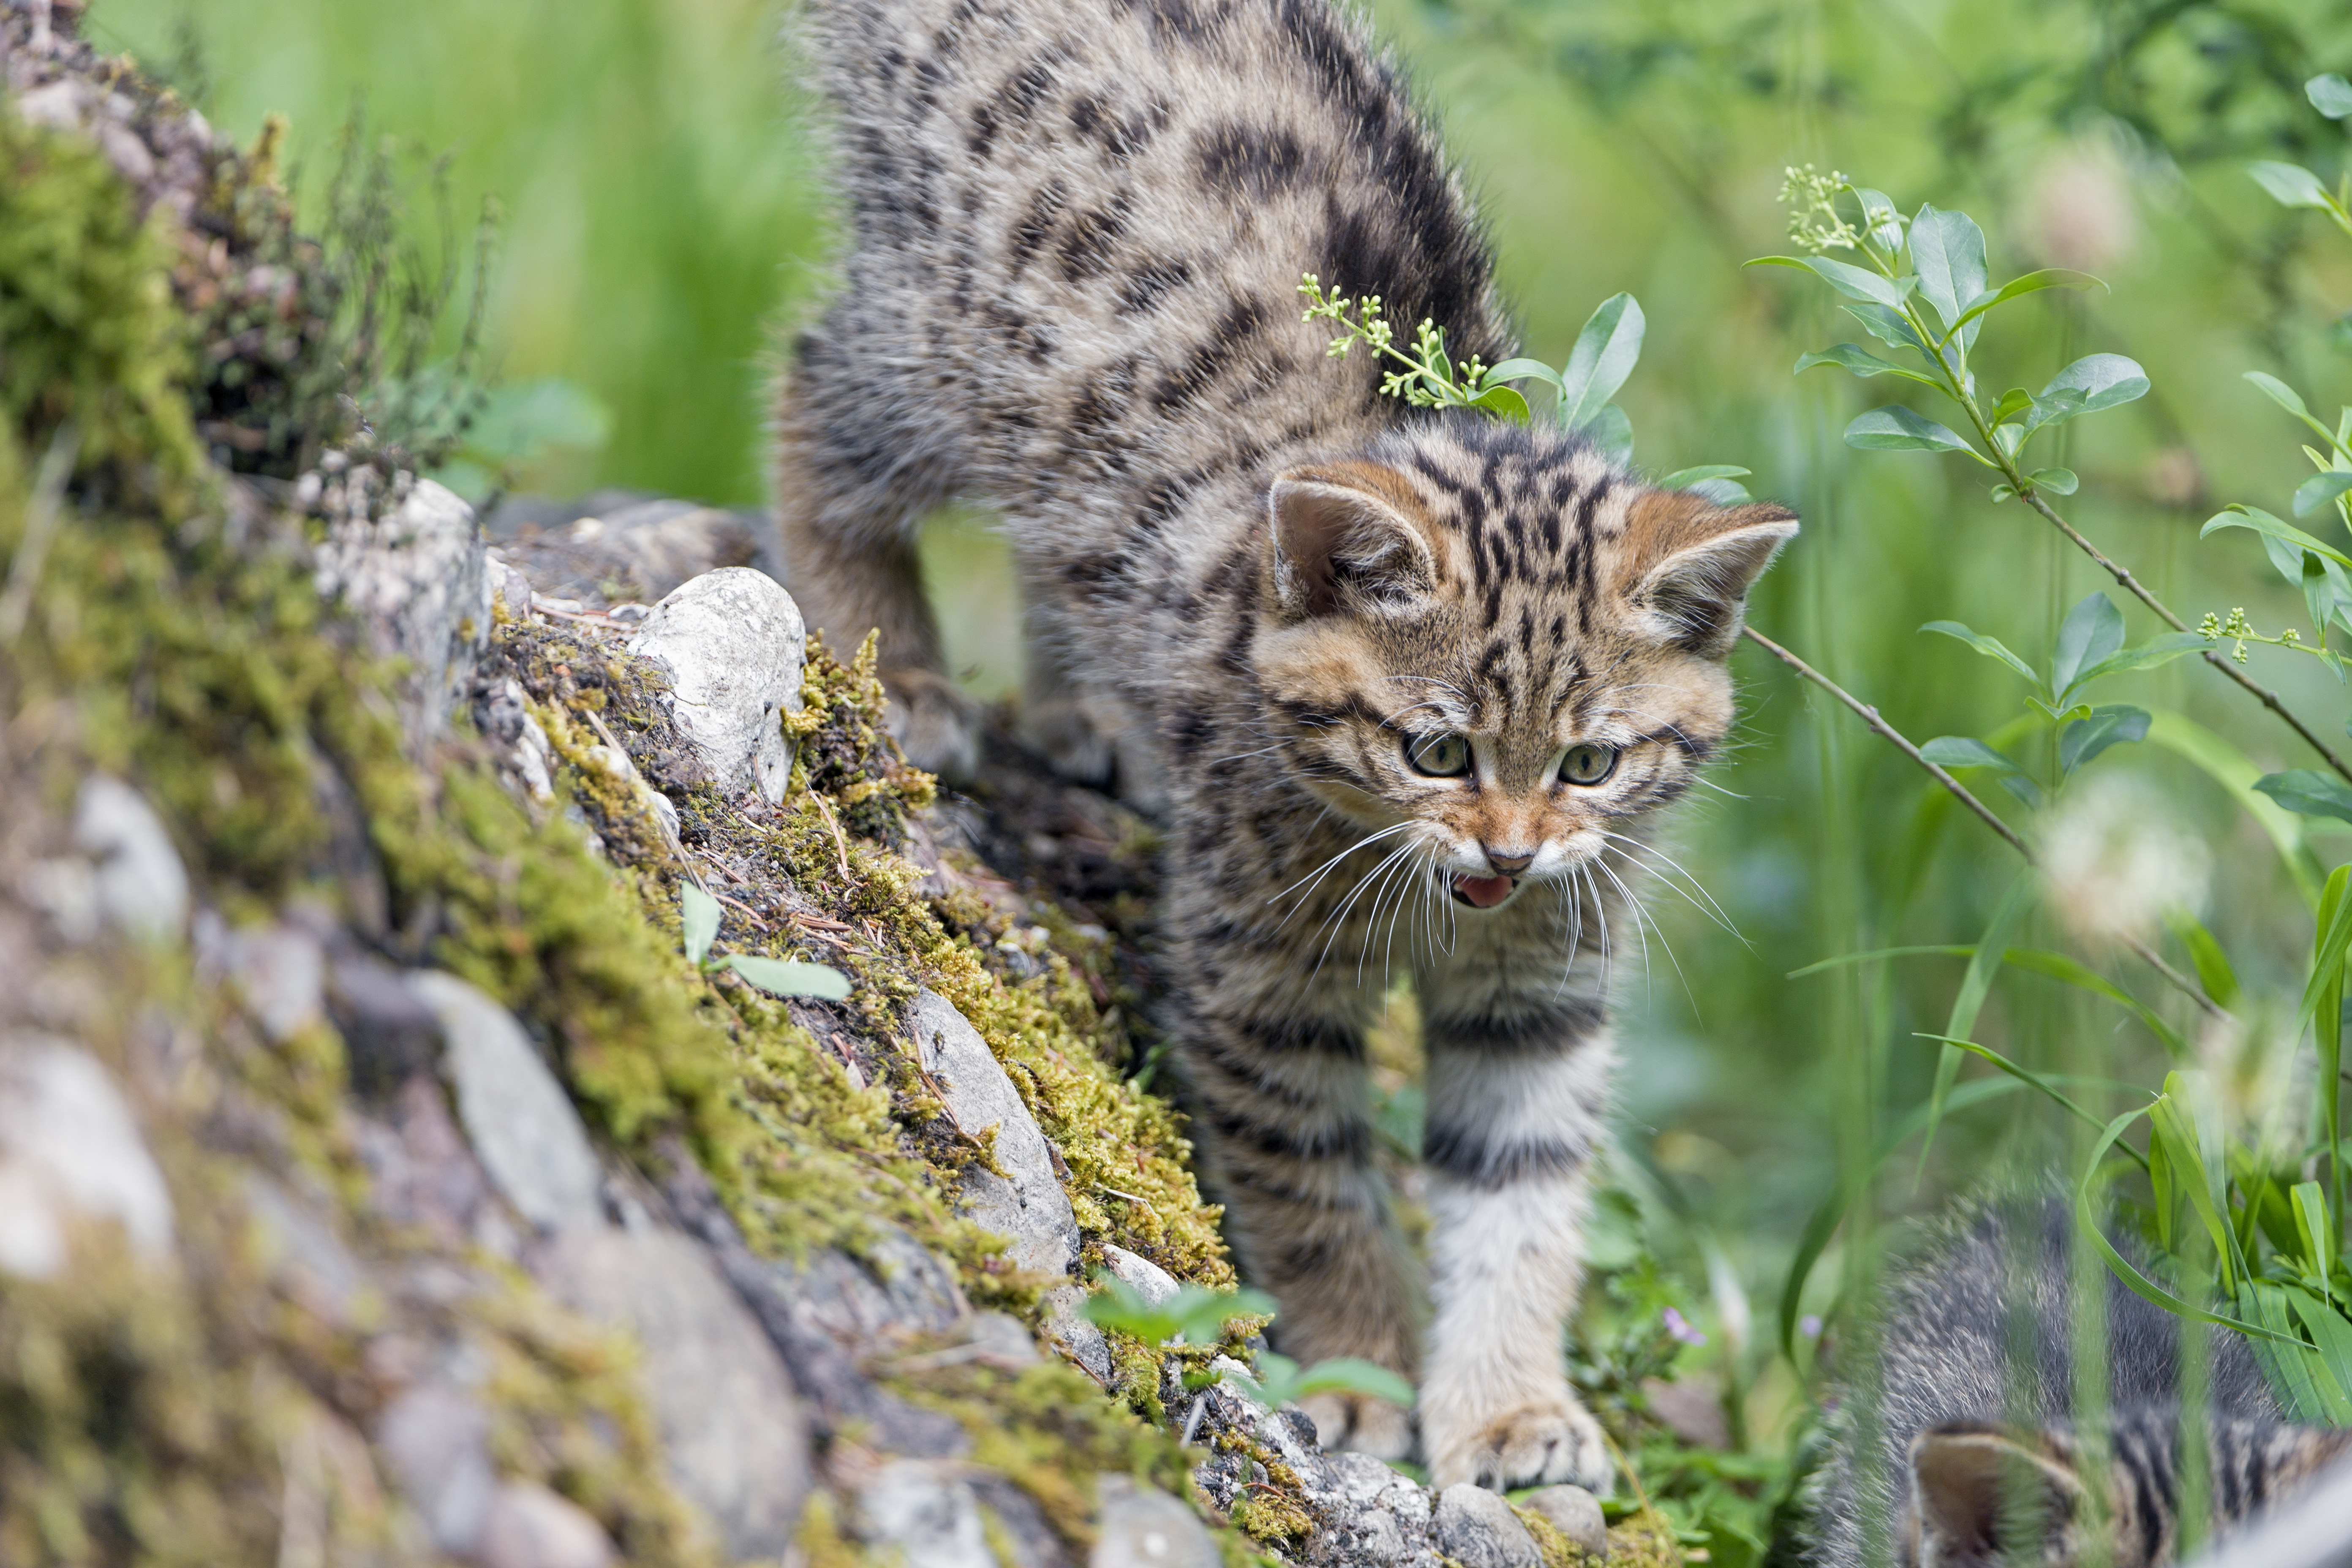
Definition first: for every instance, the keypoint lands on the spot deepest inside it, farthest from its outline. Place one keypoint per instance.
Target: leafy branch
(1926, 292)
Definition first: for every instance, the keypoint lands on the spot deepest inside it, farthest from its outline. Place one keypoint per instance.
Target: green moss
(86, 311)
(1558, 1550)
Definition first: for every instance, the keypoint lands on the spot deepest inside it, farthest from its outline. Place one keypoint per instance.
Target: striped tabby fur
(1075, 228)
(1979, 1461)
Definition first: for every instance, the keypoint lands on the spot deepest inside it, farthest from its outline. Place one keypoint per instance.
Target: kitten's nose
(1508, 865)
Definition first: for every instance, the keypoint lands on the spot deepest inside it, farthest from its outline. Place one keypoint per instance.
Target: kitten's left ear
(1695, 562)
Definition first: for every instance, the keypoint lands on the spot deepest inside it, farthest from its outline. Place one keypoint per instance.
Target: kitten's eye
(1588, 765)
(1438, 756)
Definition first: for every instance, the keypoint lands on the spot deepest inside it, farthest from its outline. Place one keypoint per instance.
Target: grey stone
(416, 580)
(141, 889)
(1073, 1333)
(616, 545)
(1140, 1274)
(1477, 1528)
(70, 1150)
(280, 972)
(517, 1116)
(510, 587)
(1026, 1204)
(926, 1513)
(532, 1527)
(900, 1290)
(733, 645)
(1143, 1527)
(389, 1034)
(1575, 1513)
(304, 1256)
(1001, 1340)
(436, 1443)
(733, 1435)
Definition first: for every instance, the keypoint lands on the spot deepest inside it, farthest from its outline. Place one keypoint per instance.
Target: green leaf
(2319, 490)
(2280, 393)
(1895, 428)
(1613, 434)
(2110, 724)
(1202, 1313)
(1522, 370)
(2241, 515)
(2331, 932)
(1683, 478)
(1605, 354)
(1992, 647)
(2161, 650)
(2091, 383)
(522, 419)
(2074, 972)
(1965, 752)
(2290, 184)
(789, 977)
(2317, 1231)
(1862, 363)
(2013, 402)
(1948, 249)
(2059, 481)
(2018, 288)
(1504, 402)
(1891, 328)
(2023, 1074)
(1882, 223)
(2213, 971)
(2092, 631)
(1353, 1374)
(2309, 791)
(2330, 94)
(1854, 282)
(698, 915)
(2298, 1373)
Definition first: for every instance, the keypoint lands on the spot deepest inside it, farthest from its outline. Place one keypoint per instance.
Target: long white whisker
(1708, 906)
(1337, 917)
(1323, 871)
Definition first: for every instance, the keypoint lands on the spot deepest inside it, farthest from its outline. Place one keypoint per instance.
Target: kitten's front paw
(934, 724)
(1541, 1442)
(1359, 1423)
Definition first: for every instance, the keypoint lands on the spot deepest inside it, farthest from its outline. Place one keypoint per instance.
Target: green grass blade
(2026, 1075)
(1983, 964)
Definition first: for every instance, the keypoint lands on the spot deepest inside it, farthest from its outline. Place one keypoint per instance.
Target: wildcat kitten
(1978, 1456)
(1409, 687)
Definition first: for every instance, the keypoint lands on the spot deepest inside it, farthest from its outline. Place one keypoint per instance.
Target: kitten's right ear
(1982, 1496)
(1345, 538)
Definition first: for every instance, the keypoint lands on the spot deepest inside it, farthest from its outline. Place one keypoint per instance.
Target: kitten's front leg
(1514, 1109)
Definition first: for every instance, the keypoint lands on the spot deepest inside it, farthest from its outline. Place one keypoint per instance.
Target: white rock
(516, 1115)
(733, 645)
(1074, 1334)
(1026, 1204)
(1575, 1513)
(435, 1441)
(417, 580)
(733, 1436)
(931, 1518)
(280, 972)
(69, 1148)
(141, 888)
(58, 105)
(532, 1527)
(1143, 1527)
(1140, 1274)
(1477, 1528)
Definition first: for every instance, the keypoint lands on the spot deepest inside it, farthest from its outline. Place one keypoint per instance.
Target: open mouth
(1482, 892)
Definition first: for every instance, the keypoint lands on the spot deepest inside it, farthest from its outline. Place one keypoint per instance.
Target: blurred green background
(663, 216)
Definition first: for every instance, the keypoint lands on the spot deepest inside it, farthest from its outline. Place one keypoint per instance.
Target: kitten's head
(1488, 639)
(1987, 1497)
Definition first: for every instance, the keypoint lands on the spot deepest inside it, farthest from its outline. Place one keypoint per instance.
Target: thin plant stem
(1960, 792)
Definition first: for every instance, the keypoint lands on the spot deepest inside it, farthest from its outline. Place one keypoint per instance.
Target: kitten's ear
(1697, 562)
(1347, 536)
(1984, 1496)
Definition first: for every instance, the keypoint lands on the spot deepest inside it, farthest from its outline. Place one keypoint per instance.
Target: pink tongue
(1484, 891)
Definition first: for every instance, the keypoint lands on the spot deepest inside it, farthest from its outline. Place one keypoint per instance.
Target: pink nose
(1508, 865)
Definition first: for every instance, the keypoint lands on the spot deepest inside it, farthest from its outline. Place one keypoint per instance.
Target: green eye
(1588, 765)
(1438, 756)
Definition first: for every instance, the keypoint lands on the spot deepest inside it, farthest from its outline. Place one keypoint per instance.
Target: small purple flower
(1810, 1325)
(1679, 1327)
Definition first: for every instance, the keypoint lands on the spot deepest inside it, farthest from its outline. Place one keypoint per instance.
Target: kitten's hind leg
(852, 486)
(1053, 718)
